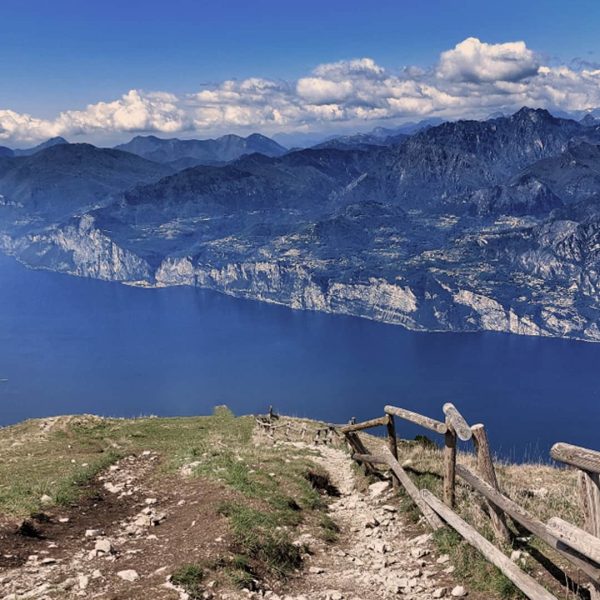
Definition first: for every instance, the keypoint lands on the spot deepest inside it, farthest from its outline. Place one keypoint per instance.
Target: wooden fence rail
(580, 547)
(524, 582)
(416, 418)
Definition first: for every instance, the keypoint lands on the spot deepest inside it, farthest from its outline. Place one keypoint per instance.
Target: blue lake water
(70, 345)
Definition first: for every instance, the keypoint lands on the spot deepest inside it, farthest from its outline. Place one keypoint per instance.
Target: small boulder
(104, 546)
(458, 592)
(91, 533)
(128, 575)
(377, 489)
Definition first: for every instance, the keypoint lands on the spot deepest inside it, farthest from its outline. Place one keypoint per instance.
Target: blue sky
(65, 54)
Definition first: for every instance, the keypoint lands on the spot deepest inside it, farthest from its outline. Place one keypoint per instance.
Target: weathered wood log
(358, 447)
(374, 459)
(589, 488)
(583, 458)
(531, 588)
(385, 457)
(589, 493)
(414, 417)
(485, 466)
(527, 520)
(392, 444)
(457, 421)
(585, 543)
(450, 467)
(365, 425)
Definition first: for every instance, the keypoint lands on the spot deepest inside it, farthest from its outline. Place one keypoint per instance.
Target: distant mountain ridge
(62, 177)
(379, 136)
(463, 226)
(210, 151)
(55, 141)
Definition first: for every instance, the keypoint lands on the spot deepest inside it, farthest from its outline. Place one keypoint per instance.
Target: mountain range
(462, 226)
(188, 153)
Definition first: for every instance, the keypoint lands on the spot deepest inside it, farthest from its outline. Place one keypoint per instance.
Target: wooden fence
(580, 547)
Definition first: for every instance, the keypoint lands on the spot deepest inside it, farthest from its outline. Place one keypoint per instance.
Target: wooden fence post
(485, 467)
(358, 447)
(456, 427)
(392, 445)
(589, 493)
(588, 463)
(450, 466)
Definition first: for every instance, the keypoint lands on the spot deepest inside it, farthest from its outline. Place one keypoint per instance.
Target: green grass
(260, 537)
(70, 489)
(189, 577)
(329, 529)
(472, 567)
(273, 488)
(60, 461)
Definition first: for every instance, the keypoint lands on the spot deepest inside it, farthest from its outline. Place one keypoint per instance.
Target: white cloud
(470, 80)
(475, 61)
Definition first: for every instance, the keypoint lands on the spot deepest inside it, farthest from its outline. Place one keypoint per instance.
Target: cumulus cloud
(472, 79)
(477, 62)
(134, 111)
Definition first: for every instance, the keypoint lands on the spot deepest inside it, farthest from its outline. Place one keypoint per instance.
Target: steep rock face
(527, 196)
(434, 307)
(445, 309)
(573, 174)
(456, 158)
(83, 250)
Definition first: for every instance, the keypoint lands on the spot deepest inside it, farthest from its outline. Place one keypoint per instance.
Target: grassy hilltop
(244, 510)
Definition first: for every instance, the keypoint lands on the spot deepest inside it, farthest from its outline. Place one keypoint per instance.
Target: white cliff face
(175, 271)
(490, 315)
(377, 299)
(83, 250)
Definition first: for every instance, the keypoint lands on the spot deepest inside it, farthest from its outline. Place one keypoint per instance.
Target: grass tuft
(70, 489)
(259, 536)
(189, 577)
(330, 529)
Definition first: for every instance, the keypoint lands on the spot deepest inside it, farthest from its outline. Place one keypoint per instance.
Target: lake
(70, 345)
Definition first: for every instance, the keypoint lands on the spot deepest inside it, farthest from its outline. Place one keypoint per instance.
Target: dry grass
(542, 489)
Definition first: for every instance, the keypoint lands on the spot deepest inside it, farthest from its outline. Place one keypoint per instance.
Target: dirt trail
(135, 528)
(379, 556)
(121, 543)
